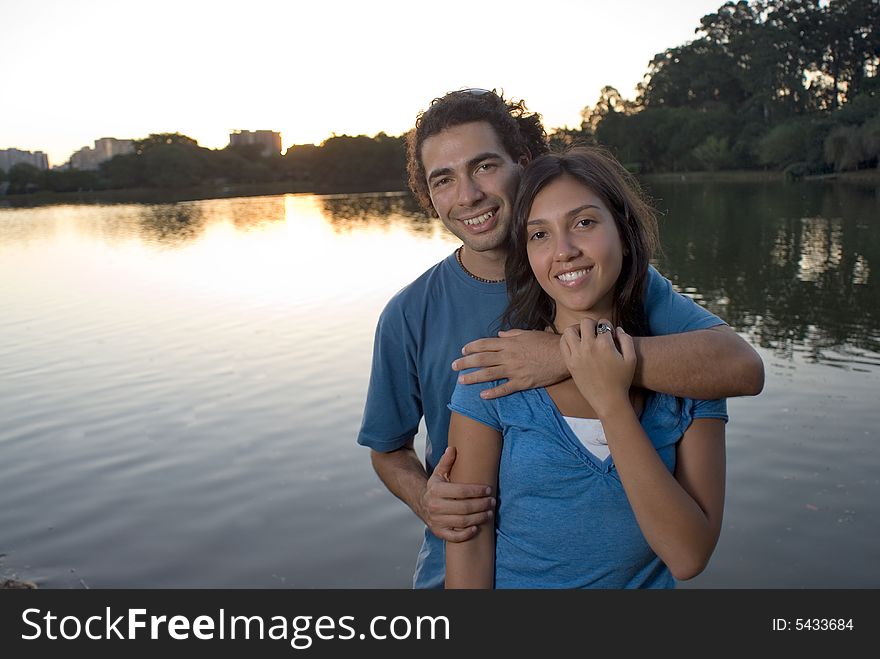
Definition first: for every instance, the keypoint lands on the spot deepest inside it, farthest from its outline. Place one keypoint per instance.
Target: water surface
(181, 386)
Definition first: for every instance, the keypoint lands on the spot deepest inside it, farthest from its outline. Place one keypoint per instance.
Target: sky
(78, 70)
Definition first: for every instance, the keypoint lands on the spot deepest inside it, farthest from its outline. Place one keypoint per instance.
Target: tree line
(780, 84)
(171, 160)
(783, 84)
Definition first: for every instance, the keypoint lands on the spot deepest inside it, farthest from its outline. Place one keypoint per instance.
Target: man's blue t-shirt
(421, 332)
(563, 518)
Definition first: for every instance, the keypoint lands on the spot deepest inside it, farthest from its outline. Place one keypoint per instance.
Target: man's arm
(453, 511)
(703, 364)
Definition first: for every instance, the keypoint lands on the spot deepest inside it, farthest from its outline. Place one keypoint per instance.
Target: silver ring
(603, 328)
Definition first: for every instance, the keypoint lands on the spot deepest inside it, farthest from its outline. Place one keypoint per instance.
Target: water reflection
(761, 257)
(792, 266)
(346, 212)
(181, 385)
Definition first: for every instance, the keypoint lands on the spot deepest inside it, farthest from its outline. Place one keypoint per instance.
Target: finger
(508, 333)
(503, 389)
(607, 338)
(455, 510)
(483, 375)
(444, 464)
(573, 331)
(627, 347)
(446, 492)
(489, 344)
(455, 535)
(475, 520)
(476, 360)
(565, 347)
(588, 328)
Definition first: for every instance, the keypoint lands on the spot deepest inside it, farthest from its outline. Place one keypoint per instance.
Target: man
(464, 157)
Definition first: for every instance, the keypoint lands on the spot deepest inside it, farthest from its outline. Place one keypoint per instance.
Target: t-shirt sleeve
(467, 402)
(709, 409)
(394, 402)
(670, 312)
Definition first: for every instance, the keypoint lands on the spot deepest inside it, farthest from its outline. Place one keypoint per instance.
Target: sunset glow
(100, 68)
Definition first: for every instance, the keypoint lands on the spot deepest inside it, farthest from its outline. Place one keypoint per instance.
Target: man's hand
(526, 359)
(454, 510)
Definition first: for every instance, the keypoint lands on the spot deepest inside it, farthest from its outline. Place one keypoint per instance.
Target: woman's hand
(603, 374)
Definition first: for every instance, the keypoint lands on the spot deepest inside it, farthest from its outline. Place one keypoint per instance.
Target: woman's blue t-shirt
(563, 519)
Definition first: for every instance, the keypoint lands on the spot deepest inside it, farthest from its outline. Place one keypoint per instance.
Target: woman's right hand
(603, 374)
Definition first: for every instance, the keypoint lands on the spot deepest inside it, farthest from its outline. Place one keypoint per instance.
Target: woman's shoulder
(668, 410)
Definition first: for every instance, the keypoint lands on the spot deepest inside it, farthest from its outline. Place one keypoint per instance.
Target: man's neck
(485, 265)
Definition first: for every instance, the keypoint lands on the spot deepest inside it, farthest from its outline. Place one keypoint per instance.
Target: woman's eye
(537, 235)
(585, 222)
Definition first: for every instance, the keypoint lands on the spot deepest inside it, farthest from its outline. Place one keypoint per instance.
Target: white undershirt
(591, 434)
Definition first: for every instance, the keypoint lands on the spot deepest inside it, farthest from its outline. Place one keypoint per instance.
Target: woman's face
(574, 249)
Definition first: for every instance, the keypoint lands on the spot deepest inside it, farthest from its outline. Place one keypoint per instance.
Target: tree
(162, 139)
(25, 178)
(610, 102)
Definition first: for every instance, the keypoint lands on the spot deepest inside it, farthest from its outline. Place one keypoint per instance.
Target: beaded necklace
(471, 274)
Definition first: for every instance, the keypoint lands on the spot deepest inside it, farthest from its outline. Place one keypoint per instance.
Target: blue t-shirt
(421, 332)
(563, 519)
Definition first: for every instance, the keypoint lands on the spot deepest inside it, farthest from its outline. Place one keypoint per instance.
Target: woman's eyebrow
(573, 211)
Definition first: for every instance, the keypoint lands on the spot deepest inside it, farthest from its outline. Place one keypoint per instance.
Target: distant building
(12, 157)
(105, 148)
(268, 139)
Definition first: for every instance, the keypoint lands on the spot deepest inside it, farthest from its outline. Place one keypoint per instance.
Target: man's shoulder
(416, 293)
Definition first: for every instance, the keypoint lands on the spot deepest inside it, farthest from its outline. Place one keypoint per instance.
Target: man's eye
(439, 182)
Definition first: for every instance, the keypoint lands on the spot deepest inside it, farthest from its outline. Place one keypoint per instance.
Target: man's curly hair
(520, 131)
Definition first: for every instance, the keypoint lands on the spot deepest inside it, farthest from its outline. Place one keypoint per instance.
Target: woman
(599, 485)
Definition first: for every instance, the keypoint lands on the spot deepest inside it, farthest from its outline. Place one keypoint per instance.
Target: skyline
(102, 69)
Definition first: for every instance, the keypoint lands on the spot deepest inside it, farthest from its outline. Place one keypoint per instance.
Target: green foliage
(72, 180)
(25, 178)
(155, 140)
(563, 138)
(713, 153)
(359, 163)
(853, 147)
(794, 141)
(765, 83)
(663, 139)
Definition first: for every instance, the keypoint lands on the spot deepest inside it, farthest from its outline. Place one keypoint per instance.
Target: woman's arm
(471, 564)
(679, 515)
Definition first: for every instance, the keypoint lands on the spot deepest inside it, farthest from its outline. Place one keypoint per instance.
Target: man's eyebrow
(443, 171)
(473, 162)
(572, 212)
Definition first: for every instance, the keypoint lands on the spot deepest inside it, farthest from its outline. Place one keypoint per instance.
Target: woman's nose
(565, 248)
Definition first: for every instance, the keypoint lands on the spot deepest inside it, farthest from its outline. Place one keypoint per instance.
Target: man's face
(472, 181)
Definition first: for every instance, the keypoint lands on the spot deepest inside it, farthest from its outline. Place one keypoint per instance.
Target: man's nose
(469, 192)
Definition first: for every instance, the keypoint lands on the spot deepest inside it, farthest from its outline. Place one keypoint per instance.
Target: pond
(181, 386)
